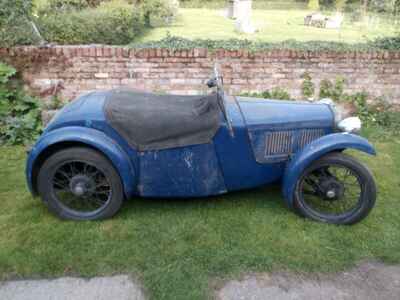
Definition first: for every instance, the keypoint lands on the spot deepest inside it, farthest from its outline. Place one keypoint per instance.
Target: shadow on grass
(268, 197)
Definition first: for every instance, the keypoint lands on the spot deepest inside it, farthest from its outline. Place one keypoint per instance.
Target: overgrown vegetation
(68, 5)
(20, 118)
(110, 23)
(378, 113)
(307, 86)
(334, 91)
(158, 12)
(15, 23)
(116, 22)
(275, 93)
(179, 43)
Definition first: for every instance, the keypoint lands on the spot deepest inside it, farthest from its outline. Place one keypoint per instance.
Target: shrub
(158, 12)
(111, 24)
(61, 5)
(307, 87)
(387, 43)
(313, 4)
(68, 5)
(380, 113)
(177, 43)
(15, 26)
(276, 94)
(333, 91)
(20, 117)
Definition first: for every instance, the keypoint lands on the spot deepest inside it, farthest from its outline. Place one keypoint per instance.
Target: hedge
(117, 25)
(177, 43)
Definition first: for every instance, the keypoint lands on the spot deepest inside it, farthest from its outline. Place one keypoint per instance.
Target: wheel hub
(81, 185)
(331, 189)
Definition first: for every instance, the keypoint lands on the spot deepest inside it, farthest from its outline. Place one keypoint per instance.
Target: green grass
(178, 248)
(274, 26)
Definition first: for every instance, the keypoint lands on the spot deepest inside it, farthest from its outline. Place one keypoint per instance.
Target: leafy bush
(20, 118)
(276, 93)
(114, 24)
(15, 26)
(178, 43)
(387, 43)
(307, 87)
(333, 91)
(158, 12)
(380, 113)
(68, 5)
(62, 5)
(313, 4)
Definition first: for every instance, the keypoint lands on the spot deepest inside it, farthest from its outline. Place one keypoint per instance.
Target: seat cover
(155, 122)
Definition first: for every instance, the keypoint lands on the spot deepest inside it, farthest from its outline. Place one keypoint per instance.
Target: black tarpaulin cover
(155, 122)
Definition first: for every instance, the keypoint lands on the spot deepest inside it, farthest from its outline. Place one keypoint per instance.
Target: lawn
(179, 248)
(274, 25)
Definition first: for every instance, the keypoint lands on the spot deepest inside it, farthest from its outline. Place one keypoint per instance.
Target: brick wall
(72, 70)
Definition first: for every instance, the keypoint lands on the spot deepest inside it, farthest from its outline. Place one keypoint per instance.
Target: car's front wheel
(335, 189)
(80, 184)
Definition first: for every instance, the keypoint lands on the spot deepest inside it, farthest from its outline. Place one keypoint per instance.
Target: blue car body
(258, 142)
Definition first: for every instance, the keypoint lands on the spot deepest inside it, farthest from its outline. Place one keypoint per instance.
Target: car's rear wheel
(80, 184)
(335, 189)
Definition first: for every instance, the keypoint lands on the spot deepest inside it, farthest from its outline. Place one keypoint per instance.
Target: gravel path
(369, 281)
(99, 288)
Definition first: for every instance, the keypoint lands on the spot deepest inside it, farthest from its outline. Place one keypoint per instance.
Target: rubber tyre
(88, 155)
(368, 187)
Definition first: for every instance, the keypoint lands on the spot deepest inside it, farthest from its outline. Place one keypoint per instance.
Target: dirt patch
(368, 281)
(98, 288)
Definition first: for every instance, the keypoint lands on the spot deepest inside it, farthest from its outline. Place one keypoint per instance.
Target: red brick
(377, 72)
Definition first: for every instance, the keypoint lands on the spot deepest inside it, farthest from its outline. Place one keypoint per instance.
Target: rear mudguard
(315, 150)
(92, 138)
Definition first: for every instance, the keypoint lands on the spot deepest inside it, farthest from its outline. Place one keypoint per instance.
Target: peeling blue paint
(239, 157)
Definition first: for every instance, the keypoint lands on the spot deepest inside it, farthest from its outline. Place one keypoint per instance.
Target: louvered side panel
(277, 146)
(307, 136)
(278, 143)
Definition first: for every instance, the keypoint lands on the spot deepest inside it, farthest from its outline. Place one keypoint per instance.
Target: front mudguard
(315, 150)
(83, 136)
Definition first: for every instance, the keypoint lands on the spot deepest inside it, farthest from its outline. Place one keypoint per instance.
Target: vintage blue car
(108, 146)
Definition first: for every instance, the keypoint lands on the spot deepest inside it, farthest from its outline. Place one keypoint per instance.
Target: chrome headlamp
(349, 125)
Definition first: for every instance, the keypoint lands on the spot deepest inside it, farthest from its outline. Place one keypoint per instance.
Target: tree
(313, 4)
(339, 4)
(396, 9)
(365, 6)
(13, 10)
(16, 23)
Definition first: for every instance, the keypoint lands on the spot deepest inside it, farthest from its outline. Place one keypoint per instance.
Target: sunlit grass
(273, 26)
(177, 247)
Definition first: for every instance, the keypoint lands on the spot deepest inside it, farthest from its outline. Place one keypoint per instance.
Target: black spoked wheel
(336, 189)
(80, 184)
(81, 187)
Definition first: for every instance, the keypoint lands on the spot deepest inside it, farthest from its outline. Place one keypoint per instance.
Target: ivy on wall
(179, 43)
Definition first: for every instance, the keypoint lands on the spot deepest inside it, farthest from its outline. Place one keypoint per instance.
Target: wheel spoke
(81, 187)
(337, 178)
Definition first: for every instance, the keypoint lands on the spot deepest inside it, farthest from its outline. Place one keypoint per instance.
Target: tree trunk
(365, 7)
